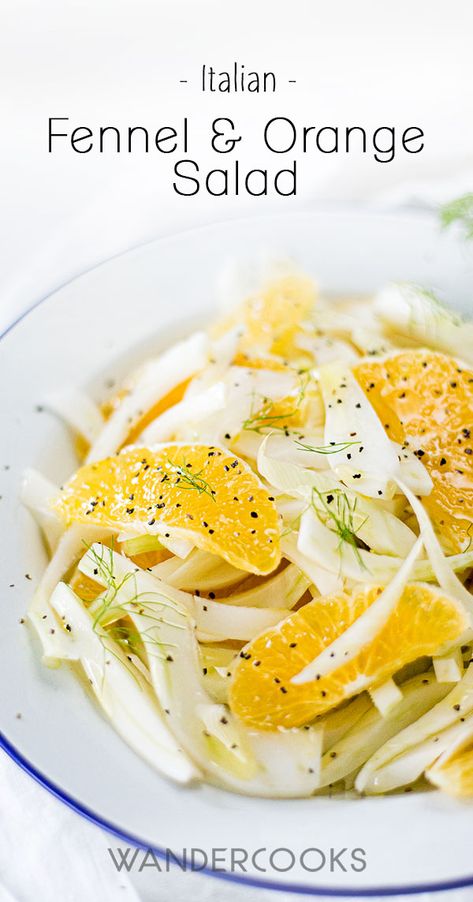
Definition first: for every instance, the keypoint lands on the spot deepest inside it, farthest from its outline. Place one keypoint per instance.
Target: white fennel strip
(78, 411)
(341, 557)
(36, 494)
(338, 722)
(202, 571)
(187, 412)
(154, 381)
(378, 528)
(166, 625)
(221, 353)
(409, 310)
(325, 581)
(411, 765)
(291, 759)
(385, 697)
(281, 591)
(449, 668)
(349, 416)
(462, 743)
(403, 758)
(372, 730)
(40, 613)
(444, 574)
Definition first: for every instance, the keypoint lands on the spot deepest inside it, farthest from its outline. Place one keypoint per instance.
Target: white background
(119, 62)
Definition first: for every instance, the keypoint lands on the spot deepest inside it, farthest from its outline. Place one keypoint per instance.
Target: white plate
(85, 334)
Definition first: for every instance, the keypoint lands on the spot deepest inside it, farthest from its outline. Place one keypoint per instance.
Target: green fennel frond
(459, 211)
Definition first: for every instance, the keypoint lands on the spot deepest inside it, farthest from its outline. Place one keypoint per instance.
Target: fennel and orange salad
(261, 568)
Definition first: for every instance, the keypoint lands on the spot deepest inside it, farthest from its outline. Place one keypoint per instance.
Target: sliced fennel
(410, 766)
(324, 581)
(458, 563)
(404, 757)
(79, 412)
(216, 621)
(344, 559)
(55, 644)
(153, 382)
(385, 697)
(329, 550)
(377, 527)
(327, 349)
(176, 544)
(121, 693)
(216, 682)
(338, 722)
(225, 741)
(185, 416)
(36, 494)
(201, 571)
(449, 668)
(281, 591)
(291, 759)
(217, 666)
(162, 618)
(372, 730)
(290, 448)
(413, 472)
(412, 312)
(217, 655)
(167, 568)
(444, 574)
(221, 353)
(246, 391)
(461, 744)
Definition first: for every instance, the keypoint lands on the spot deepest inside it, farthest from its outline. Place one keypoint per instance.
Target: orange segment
(453, 772)
(262, 693)
(425, 400)
(197, 492)
(259, 363)
(150, 558)
(273, 317)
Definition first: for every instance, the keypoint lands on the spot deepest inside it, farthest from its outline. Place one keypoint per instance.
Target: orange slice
(262, 693)
(259, 363)
(272, 318)
(84, 587)
(453, 771)
(196, 492)
(425, 401)
(148, 558)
